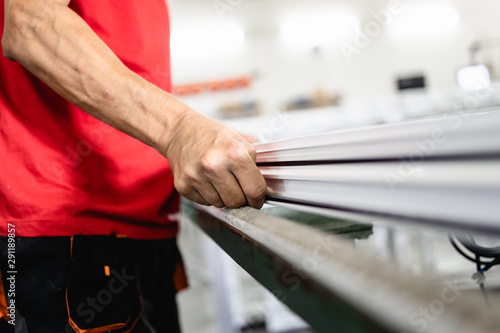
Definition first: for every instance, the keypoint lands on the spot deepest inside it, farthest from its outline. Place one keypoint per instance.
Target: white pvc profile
(419, 171)
(457, 135)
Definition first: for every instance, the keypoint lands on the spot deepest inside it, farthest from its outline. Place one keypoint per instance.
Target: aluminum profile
(443, 171)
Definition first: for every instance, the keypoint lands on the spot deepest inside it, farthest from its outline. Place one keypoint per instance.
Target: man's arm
(211, 164)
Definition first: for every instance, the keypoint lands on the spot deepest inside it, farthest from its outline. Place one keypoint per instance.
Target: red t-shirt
(63, 172)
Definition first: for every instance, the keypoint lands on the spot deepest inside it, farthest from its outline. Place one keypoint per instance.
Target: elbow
(25, 22)
(18, 25)
(8, 48)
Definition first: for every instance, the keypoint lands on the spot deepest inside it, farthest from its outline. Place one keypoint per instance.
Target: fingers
(251, 152)
(253, 185)
(196, 197)
(241, 181)
(250, 179)
(222, 173)
(235, 177)
(211, 195)
(229, 190)
(198, 190)
(246, 184)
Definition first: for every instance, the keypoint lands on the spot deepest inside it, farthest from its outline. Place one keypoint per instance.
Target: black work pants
(103, 278)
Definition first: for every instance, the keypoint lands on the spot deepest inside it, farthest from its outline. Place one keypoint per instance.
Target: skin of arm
(211, 164)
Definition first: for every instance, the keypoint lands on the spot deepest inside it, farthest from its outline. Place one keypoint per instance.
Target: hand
(213, 165)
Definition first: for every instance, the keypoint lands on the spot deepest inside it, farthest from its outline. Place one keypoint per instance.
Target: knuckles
(221, 159)
(251, 150)
(239, 153)
(211, 163)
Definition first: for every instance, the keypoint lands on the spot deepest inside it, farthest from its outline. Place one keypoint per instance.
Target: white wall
(284, 72)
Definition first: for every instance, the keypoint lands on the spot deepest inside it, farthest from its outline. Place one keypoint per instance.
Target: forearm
(211, 164)
(57, 46)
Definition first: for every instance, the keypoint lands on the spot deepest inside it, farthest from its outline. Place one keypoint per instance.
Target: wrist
(174, 117)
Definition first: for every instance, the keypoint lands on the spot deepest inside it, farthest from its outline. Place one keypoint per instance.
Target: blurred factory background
(293, 54)
(277, 69)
